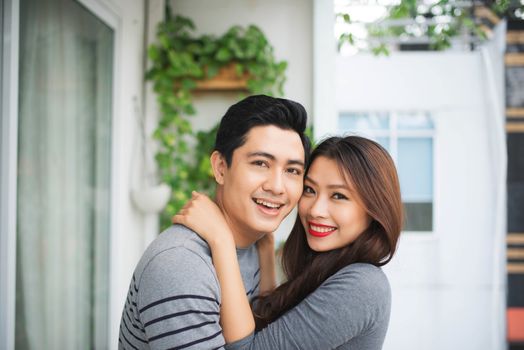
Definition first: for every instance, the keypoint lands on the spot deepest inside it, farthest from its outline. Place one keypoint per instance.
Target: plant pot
(151, 200)
(226, 80)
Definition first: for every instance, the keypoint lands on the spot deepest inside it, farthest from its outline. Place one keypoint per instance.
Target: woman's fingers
(179, 219)
(195, 207)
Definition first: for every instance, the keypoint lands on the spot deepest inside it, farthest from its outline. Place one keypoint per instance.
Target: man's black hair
(259, 110)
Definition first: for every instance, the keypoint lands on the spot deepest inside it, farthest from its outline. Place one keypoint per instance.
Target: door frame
(111, 15)
(8, 172)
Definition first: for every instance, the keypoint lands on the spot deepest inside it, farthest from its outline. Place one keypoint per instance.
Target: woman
(335, 296)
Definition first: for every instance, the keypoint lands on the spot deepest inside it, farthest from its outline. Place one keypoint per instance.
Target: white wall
(287, 26)
(445, 292)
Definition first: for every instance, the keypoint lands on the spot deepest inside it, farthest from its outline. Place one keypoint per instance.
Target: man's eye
(339, 196)
(294, 171)
(259, 163)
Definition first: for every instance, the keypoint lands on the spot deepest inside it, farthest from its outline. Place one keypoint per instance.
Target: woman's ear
(219, 166)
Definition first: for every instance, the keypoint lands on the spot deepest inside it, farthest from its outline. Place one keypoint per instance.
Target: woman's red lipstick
(313, 229)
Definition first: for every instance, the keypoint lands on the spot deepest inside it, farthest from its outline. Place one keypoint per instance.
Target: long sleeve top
(350, 310)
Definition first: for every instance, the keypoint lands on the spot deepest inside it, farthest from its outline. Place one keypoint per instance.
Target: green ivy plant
(179, 59)
(439, 35)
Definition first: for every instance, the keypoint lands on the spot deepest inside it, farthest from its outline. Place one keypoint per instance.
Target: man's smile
(268, 207)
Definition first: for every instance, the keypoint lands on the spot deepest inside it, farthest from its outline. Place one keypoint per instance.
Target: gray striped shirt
(174, 298)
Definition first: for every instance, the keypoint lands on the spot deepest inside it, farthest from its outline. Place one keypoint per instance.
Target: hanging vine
(180, 59)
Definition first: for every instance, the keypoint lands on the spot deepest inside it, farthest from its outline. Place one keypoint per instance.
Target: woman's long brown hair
(370, 170)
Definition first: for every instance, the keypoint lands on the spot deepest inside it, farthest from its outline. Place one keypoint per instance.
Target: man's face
(263, 182)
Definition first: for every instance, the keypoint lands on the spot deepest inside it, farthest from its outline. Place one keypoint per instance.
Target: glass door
(64, 170)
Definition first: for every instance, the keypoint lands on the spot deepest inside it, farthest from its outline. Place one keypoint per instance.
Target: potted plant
(182, 63)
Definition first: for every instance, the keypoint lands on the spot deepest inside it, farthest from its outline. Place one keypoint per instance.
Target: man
(258, 164)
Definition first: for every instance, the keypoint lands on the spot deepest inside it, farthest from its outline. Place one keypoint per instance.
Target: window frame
(112, 16)
(393, 133)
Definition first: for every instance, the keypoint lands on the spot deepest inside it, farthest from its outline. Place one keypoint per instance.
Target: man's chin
(265, 228)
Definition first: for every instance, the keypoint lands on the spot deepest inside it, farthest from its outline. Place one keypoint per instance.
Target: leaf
(223, 55)
(212, 70)
(239, 69)
(175, 60)
(153, 52)
(184, 22)
(188, 84)
(380, 50)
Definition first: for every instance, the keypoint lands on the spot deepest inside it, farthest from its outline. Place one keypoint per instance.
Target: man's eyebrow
(261, 154)
(296, 162)
(272, 157)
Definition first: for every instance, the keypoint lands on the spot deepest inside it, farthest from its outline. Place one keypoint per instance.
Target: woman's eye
(308, 190)
(339, 196)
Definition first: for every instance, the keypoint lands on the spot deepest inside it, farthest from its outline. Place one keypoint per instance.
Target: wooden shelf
(515, 112)
(225, 80)
(513, 127)
(515, 37)
(514, 59)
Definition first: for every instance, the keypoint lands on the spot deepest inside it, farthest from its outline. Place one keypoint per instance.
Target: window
(409, 138)
(64, 173)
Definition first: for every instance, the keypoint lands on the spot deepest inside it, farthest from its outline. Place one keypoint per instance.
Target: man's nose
(274, 183)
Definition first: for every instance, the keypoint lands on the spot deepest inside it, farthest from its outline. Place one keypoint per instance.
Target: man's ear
(219, 166)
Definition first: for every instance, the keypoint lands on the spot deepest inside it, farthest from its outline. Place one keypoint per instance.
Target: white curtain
(63, 177)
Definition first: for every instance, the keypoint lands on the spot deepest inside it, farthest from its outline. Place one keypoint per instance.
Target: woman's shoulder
(367, 278)
(363, 269)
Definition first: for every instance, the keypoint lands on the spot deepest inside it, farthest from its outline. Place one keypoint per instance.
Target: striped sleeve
(177, 305)
(132, 333)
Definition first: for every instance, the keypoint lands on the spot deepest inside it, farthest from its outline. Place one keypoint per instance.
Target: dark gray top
(350, 310)
(174, 297)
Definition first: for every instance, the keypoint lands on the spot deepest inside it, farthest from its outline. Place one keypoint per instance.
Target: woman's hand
(203, 216)
(266, 259)
(266, 243)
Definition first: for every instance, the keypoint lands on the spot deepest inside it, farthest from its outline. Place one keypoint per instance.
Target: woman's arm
(205, 218)
(351, 307)
(266, 259)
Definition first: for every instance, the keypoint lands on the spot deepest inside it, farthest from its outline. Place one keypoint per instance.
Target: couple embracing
(208, 282)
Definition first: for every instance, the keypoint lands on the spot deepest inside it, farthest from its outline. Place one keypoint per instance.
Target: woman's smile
(319, 230)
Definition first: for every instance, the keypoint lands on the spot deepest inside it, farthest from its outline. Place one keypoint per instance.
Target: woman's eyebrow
(332, 186)
(307, 178)
(337, 186)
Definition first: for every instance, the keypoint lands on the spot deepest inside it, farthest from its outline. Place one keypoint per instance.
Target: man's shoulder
(176, 250)
(177, 236)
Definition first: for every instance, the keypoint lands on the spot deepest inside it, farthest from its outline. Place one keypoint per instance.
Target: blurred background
(109, 109)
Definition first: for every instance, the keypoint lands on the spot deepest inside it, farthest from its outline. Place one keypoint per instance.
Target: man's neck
(240, 236)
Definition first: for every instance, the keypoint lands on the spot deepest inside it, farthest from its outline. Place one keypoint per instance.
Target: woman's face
(330, 210)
